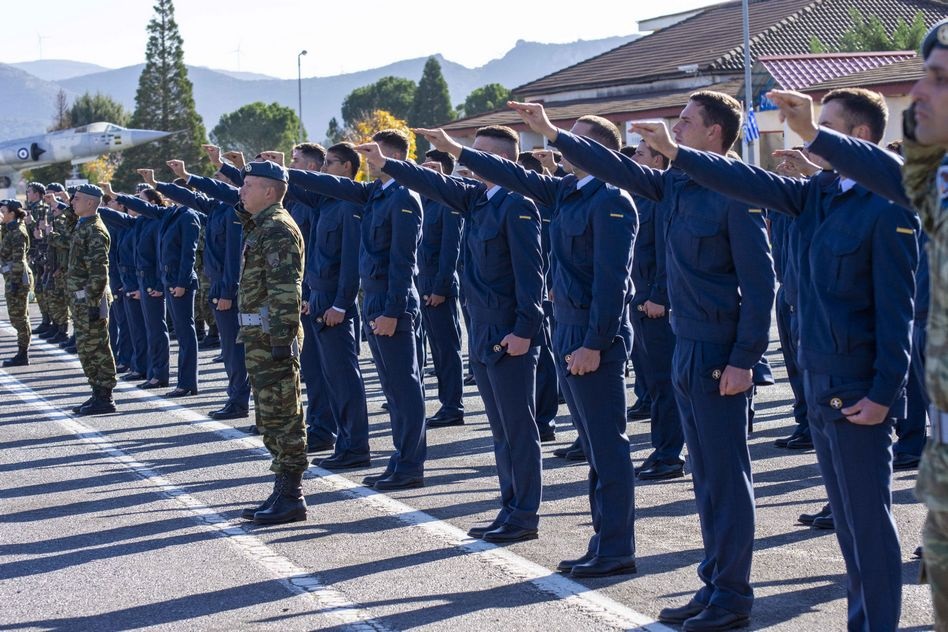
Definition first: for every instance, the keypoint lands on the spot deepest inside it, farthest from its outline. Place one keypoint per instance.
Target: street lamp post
(299, 89)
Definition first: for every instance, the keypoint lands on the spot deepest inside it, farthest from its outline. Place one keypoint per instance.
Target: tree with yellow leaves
(364, 128)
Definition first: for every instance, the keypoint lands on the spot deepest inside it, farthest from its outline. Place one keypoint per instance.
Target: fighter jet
(76, 145)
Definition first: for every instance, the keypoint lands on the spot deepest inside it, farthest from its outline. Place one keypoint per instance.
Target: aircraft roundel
(22, 153)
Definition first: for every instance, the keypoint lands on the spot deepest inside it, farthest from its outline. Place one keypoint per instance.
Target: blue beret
(11, 204)
(266, 169)
(55, 187)
(89, 189)
(37, 186)
(938, 36)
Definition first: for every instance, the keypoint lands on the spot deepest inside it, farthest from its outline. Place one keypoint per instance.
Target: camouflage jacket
(88, 276)
(271, 274)
(38, 211)
(57, 255)
(13, 247)
(925, 177)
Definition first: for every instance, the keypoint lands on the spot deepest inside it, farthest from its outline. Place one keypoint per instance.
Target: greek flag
(751, 132)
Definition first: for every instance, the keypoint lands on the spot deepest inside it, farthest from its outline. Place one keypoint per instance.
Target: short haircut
(312, 151)
(394, 138)
(347, 153)
(721, 109)
(181, 182)
(602, 130)
(863, 107)
(446, 160)
(502, 133)
(629, 150)
(37, 187)
(528, 161)
(895, 146)
(153, 196)
(279, 186)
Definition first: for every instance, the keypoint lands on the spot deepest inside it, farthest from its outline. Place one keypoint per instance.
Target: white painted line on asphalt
(327, 601)
(575, 594)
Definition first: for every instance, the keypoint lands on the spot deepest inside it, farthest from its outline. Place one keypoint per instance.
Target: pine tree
(164, 101)
(432, 105)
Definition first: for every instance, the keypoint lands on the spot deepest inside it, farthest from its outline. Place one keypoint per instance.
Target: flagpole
(748, 86)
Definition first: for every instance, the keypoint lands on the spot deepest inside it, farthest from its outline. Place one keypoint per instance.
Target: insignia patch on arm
(273, 259)
(407, 210)
(525, 217)
(619, 215)
(904, 231)
(755, 210)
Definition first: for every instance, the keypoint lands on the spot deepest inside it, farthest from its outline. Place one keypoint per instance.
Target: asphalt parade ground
(131, 521)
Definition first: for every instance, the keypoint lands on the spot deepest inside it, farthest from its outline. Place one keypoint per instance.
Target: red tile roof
(904, 73)
(796, 72)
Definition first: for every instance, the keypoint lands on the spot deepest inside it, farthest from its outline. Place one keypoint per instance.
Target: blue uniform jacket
(391, 231)
(177, 239)
(145, 232)
(503, 266)
(720, 275)
(222, 237)
(116, 234)
(856, 283)
(881, 172)
(649, 276)
(439, 249)
(592, 233)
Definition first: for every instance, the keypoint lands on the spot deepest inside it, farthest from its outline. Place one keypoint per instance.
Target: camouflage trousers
(57, 301)
(18, 309)
(92, 345)
(278, 404)
(932, 489)
(39, 292)
(203, 310)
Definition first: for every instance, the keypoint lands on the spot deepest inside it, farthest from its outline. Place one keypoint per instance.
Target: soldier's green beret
(266, 169)
(938, 36)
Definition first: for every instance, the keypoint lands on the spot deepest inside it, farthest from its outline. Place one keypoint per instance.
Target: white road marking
(514, 566)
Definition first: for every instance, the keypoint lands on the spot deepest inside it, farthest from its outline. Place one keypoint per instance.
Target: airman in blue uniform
(856, 288)
(128, 282)
(503, 276)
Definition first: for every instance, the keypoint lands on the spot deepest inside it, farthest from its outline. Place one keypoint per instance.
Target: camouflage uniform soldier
(87, 283)
(269, 300)
(37, 216)
(204, 315)
(19, 279)
(57, 254)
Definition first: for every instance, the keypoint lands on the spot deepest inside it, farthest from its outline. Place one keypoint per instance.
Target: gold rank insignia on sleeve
(619, 215)
(904, 230)
(755, 210)
(357, 216)
(407, 210)
(525, 217)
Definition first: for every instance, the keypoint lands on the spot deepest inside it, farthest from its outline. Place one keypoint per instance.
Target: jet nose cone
(142, 136)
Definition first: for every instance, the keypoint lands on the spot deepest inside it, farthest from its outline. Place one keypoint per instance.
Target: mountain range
(28, 89)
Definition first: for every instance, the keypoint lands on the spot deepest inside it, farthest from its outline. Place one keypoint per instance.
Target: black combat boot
(289, 505)
(247, 514)
(69, 342)
(101, 404)
(22, 358)
(43, 326)
(78, 409)
(50, 333)
(61, 336)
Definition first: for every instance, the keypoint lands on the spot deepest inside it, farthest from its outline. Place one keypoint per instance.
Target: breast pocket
(493, 249)
(843, 266)
(380, 231)
(330, 236)
(578, 240)
(698, 237)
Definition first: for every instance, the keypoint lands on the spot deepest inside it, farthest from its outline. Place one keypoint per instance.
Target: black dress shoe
(604, 567)
(71, 349)
(209, 343)
(181, 392)
(218, 358)
(825, 523)
(918, 552)
(904, 461)
(319, 445)
(400, 481)
(509, 533)
(661, 472)
(469, 380)
(252, 430)
(370, 481)
(808, 519)
(153, 385)
(478, 532)
(384, 406)
(548, 436)
(782, 442)
(134, 376)
(444, 418)
(803, 442)
(229, 411)
(344, 461)
(576, 454)
(122, 368)
(681, 613)
(562, 452)
(715, 618)
(638, 412)
(567, 565)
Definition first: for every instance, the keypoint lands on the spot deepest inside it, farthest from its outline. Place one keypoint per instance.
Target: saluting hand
(107, 188)
(535, 116)
(655, 133)
(545, 156)
(373, 155)
(214, 154)
(50, 199)
(178, 168)
(440, 140)
(236, 158)
(148, 176)
(794, 163)
(274, 156)
(796, 109)
(434, 165)
(866, 412)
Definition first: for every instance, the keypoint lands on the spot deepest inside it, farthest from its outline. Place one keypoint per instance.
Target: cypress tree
(432, 105)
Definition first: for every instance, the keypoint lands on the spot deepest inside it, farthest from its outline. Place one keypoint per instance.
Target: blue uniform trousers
(716, 433)
(319, 420)
(396, 358)
(548, 390)
(788, 330)
(911, 430)
(442, 328)
(182, 315)
(156, 328)
(856, 463)
(507, 386)
(639, 364)
(119, 336)
(597, 404)
(338, 357)
(235, 365)
(656, 343)
(135, 322)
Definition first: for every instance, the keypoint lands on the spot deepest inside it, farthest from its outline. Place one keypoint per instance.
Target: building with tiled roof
(652, 76)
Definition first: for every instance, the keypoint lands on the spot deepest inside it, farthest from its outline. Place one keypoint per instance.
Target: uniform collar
(491, 192)
(266, 213)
